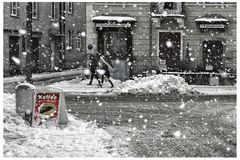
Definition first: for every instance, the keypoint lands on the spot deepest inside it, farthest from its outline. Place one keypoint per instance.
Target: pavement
(57, 76)
(48, 78)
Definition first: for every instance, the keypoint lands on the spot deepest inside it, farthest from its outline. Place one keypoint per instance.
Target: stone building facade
(170, 36)
(58, 37)
(136, 36)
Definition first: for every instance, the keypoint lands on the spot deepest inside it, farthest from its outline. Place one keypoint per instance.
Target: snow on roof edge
(113, 18)
(211, 20)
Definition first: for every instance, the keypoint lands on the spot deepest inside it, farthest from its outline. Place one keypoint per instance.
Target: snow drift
(156, 84)
(77, 139)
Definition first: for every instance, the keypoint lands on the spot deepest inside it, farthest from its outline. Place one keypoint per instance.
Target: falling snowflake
(177, 134)
(86, 71)
(182, 105)
(55, 25)
(83, 34)
(16, 60)
(117, 61)
(192, 59)
(128, 139)
(169, 44)
(22, 31)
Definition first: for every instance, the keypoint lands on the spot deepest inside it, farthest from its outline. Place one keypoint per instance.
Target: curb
(149, 98)
(55, 76)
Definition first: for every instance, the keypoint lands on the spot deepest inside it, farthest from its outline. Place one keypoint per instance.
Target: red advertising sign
(46, 108)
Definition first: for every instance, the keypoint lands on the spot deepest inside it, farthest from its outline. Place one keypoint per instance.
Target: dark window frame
(16, 7)
(79, 41)
(53, 11)
(169, 6)
(70, 39)
(35, 11)
(70, 8)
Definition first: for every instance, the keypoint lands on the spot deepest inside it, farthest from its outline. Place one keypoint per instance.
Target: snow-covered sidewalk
(158, 84)
(145, 85)
(216, 90)
(77, 139)
(45, 75)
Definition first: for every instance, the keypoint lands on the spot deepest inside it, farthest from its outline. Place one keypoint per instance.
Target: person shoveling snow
(106, 64)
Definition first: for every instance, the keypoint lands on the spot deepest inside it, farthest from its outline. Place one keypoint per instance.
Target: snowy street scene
(119, 79)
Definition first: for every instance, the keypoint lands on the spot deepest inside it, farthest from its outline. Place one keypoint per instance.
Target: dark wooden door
(14, 61)
(117, 45)
(213, 55)
(169, 49)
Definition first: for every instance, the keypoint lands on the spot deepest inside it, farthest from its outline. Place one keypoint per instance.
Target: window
(14, 9)
(70, 39)
(70, 7)
(53, 11)
(79, 42)
(34, 10)
(62, 11)
(169, 5)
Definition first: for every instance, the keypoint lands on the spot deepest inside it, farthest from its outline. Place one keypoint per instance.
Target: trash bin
(24, 98)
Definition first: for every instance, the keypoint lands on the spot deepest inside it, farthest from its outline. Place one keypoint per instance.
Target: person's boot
(111, 84)
(99, 84)
(90, 83)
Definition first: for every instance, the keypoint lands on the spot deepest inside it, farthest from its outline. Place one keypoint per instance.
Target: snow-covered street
(113, 128)
(78, 139)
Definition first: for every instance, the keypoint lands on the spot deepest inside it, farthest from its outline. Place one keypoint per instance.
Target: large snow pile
(156, 84)
(77, 139)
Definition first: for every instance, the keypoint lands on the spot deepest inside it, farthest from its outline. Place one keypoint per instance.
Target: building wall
(194, 37)
(191, 34)
(41, 29)
(140, 30)
(77, 23)
(14, 24)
